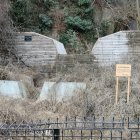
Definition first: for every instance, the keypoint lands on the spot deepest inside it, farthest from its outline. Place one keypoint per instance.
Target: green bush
(84, 2)
(38, 16)
(78, 24)
(49, 3)
(45, 22)
(105, 28)
(27, 18)
(45, 4)
(20, 11)
(72, 42)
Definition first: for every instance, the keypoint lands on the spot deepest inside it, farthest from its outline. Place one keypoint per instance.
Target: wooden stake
(117, 84)
(128, 90)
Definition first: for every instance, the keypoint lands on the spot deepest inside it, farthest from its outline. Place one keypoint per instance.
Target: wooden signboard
(123, 70)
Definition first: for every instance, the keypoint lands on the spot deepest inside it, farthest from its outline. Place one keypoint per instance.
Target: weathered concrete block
(117, 47)
(32, 46)
(14, 89)
(59, 91)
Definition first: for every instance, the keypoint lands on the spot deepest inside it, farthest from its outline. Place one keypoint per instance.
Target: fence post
(72, 134)
(91, 134)
(84, 122)
(81, 134)
(94, 122)
(121, 135)
(128, 123)
(101, 137)
(43, 134)
(103, 122)
(56, 134)
(16, 130)
(66, 122)
(75, 122)
(25, 135)
(111, 134)
(123, 122)
(113, 123)
(57, 121)
(62, 134)
(34, 134)
(49, 123)
(138, 122)
(131, 136)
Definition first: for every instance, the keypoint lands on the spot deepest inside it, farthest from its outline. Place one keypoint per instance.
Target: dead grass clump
(98, 99)
(4, 75)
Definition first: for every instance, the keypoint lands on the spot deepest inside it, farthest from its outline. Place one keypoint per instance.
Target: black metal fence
(72, 129)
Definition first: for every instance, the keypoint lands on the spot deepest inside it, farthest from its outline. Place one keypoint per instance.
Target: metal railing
(75, 129)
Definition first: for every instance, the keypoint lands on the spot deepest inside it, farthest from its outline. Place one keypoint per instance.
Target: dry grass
(98, 99)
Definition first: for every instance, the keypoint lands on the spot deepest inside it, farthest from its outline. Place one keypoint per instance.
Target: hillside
(76, 23)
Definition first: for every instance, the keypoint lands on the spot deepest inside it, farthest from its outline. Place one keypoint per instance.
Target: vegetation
(78, 19)
(31, 15)
(78, 30)
(64, 17)
(73, 43)
(104, 27)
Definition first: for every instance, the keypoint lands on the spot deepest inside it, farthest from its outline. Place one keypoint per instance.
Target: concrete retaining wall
(14, 89)
(60, 91)
(117, 47)
(51, 91)
(35, 49)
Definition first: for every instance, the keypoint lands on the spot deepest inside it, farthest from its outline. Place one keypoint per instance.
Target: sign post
(123, 70)
(117, 86)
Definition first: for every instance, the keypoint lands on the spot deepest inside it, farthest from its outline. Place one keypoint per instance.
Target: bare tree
(6, 31)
